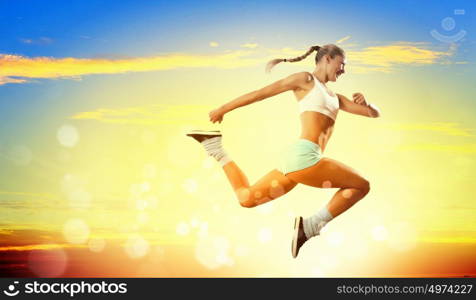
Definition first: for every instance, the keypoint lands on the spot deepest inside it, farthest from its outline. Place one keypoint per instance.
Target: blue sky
(94, 28)
(112, 29)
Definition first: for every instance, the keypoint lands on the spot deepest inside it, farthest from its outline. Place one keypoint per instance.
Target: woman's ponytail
(276, 61)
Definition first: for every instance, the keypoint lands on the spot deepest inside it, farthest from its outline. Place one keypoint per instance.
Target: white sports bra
(318, 99)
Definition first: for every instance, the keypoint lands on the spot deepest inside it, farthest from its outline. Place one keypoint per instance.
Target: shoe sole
(295, 237)
(205, 132)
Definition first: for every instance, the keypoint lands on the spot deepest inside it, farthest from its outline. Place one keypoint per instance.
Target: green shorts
(301, 154)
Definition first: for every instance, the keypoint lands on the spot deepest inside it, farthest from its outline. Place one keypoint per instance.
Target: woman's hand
(216, 115)
(359, 99)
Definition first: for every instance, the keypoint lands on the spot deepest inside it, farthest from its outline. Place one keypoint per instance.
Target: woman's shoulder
(303, 78)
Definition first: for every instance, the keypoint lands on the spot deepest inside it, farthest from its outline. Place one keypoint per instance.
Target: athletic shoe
(201, 135)
(299, 237)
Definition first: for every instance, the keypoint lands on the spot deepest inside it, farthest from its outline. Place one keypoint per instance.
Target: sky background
(98, 179)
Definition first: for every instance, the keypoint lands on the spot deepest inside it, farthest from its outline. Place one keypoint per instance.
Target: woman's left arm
(359, 106)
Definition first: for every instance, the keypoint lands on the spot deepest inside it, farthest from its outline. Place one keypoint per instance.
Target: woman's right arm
(291, 82)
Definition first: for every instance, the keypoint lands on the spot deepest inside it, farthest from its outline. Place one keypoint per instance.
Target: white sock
(313, 224)
(215, 149)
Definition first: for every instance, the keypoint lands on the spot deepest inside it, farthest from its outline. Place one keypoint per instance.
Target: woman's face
(335, 67)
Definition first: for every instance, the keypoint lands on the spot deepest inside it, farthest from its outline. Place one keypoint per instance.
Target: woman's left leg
(271, 186)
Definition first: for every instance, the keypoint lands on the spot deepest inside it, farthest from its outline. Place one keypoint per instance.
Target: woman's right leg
(327, 173)
(330, 173)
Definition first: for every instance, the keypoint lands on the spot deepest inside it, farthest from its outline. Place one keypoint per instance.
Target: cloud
(440, 127)
(381, 58)
(26, 41)
(50, 67)
(39, 247)
(459, 148)
(43, 195)
(214, 44)
(444, 128)
(148, 115)
(32, 239)
(343, 39)
(40, 41)
(249, 45)
(5, 80)
(459, 207)
(449, 236)
(87, 37)
(28, 238)
(30, 201)
(25, 200)
(18, 69)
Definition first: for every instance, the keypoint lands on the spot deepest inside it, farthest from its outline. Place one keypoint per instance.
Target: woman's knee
(245, 198)
(249, 197)
(364, 187)
(247, 204)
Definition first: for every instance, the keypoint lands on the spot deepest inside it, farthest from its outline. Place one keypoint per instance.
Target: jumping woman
(303, 161)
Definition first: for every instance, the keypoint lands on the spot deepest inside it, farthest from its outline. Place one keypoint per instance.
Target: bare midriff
(316, 127)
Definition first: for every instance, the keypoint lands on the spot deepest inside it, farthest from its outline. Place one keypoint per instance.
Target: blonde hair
(330, 49)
